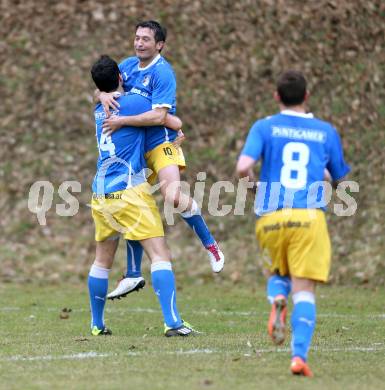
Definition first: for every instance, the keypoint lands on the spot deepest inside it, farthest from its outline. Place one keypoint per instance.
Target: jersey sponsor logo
(102, 115)
(139, 92)
(299, 134)
(146, 80)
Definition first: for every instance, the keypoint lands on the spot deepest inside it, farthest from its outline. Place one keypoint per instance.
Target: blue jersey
(121, 162)
(156, 82)
(295, 149)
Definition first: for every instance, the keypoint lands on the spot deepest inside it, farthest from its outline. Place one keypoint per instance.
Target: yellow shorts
(131, 212)
(162, 156)
(297, 241)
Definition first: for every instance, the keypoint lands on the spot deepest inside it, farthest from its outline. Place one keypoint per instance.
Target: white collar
(150, 64)
(295, 113)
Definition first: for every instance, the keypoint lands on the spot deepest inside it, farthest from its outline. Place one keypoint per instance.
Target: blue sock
(97, 288)
(303, 321)
(163, 282)
(196, 222)
(278, 285)
(134, 259)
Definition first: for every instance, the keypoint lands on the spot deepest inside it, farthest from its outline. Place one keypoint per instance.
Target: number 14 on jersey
(106, 145)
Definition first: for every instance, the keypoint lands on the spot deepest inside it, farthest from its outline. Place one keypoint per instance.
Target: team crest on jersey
(146, 80)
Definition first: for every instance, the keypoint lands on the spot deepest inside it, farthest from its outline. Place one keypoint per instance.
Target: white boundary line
(92, 355)
(205, 313)
(248, 353)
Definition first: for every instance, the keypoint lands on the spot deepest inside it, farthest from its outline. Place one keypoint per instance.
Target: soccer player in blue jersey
(148, 74)
(122, 204)
(295, 148)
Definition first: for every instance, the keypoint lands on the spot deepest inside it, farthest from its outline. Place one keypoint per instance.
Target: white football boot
(216, 256)
(126, 286)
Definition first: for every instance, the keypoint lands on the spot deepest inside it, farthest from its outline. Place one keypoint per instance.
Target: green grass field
(38, 349)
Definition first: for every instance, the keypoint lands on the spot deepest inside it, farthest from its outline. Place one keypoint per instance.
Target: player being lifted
(295, 148)
(122, 203)
(151, 76)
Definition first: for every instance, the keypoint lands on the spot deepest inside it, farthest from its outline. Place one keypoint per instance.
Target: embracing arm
(173, 122)
(155, 117)
(107, 99)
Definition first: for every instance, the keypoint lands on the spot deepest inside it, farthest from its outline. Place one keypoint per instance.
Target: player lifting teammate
(122, 204)
(151, 76)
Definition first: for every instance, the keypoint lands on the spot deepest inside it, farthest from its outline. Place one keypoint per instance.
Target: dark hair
(291, 87)
(160, 33)
(105, 73)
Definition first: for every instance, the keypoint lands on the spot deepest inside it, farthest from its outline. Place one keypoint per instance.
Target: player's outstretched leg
(278, 290)
(197, 223)
(303, 321)
(97, 287)
(169, 177)
(133, 280)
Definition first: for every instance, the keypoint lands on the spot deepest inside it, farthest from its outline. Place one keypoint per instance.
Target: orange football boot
(277, 320)
(299, 367)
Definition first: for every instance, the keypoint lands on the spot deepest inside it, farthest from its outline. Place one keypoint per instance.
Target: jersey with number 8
(295, 149)
(290, 165)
